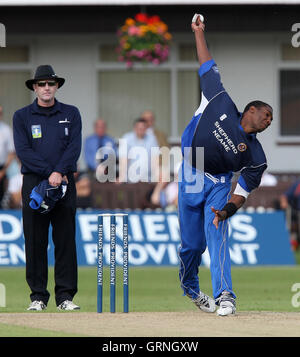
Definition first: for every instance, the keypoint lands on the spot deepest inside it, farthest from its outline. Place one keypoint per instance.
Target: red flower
(143, 39)
(153, 19)
(141, 18)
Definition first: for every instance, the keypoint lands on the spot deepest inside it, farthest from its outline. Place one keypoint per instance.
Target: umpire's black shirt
(47, 140)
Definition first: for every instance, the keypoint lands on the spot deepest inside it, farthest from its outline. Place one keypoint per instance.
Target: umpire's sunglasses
(43, 83)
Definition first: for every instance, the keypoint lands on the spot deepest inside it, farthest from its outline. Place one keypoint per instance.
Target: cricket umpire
(230, 145)
(47, 138)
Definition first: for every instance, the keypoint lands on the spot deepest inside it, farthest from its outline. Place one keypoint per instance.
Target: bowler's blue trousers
(198, 232)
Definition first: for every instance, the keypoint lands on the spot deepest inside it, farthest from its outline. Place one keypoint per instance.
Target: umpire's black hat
(44, 72)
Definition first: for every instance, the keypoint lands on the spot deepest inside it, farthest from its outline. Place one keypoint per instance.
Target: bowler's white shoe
(204, 302)
(227, 304)
(68, 305)
(37, 306)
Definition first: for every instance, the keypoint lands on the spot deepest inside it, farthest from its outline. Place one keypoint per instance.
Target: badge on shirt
(242, 147)
(36, 131)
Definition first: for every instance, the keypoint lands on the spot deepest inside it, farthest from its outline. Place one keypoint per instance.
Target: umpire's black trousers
(36, 229)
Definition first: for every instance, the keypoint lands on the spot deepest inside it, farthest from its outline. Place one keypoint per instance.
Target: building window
(14, 63)
(123, 95)
(14, 54)
(289, 86)
(108, 53)
(171, 90)
(289, 53)
(188, 97)
(187, 52)
(290, 102)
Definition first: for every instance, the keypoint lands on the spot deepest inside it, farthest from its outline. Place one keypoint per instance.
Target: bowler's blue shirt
(47, 141)
(216, 127)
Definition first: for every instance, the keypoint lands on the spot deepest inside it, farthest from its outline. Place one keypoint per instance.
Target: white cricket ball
(195, 17)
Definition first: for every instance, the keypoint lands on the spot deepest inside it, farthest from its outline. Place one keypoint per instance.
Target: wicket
(112, 217)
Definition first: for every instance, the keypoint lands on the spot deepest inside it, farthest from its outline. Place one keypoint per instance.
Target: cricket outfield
(157, 308)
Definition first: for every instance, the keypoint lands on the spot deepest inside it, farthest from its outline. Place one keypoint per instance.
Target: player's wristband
(230, 209)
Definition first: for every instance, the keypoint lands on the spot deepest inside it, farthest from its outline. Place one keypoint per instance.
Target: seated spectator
(291, 200)
(14, 191)
(7, 153)
(268, 180)
(83, 189)
(165, 193)
(161, 137)
(12, 198)
(136, 164)
(94, 142)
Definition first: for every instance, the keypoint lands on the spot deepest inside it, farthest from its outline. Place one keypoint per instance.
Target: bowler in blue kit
(204, 201)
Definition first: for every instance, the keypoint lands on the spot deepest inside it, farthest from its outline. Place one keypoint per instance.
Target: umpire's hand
(56, 178)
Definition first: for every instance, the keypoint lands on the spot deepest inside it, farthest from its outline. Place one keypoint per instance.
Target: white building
(255, 46)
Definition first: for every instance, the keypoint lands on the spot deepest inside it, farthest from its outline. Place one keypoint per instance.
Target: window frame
(286, 140)
(173, 65)
(21, 66)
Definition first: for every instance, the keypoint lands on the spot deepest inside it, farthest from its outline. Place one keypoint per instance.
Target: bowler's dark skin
(255, 120)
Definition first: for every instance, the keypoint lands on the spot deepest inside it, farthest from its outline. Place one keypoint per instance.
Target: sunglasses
(50, 84)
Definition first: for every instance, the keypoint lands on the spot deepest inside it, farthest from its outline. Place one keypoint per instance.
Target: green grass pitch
(157, 289)
(152, 289)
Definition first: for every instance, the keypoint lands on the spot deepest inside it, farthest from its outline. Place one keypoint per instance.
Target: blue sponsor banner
(154, 238)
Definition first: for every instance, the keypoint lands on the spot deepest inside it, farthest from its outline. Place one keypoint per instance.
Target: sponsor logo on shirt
(36, 131)
(224, 139)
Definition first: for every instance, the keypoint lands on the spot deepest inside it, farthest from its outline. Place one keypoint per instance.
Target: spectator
(268, 180)
(146, 163)
(7, 152)
(94, 142)
(290, 202)
(160, 136)
(14, 191)
(83, 189)
(165, 194)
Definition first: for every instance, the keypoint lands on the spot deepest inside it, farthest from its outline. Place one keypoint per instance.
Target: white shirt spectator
(268, 180)
(15, 183)
(6, 142)
(140, 154)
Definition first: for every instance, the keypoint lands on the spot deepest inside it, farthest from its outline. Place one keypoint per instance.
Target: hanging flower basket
(143, 39)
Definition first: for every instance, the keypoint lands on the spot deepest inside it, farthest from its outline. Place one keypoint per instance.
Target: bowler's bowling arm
(202, 50)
